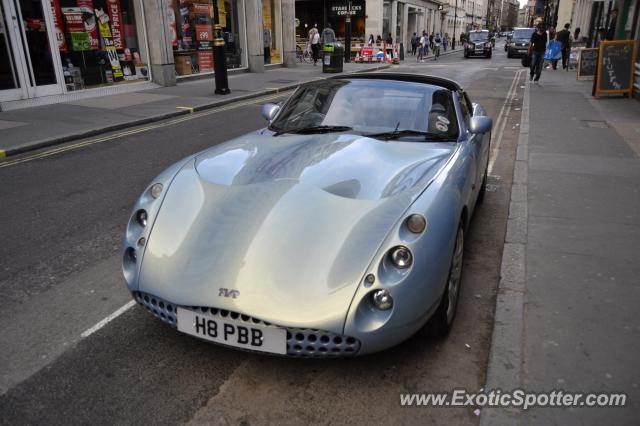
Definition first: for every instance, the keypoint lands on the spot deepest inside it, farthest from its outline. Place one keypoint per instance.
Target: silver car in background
(338, 230)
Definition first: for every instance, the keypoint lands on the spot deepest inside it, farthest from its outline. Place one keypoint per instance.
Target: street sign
(616, 60)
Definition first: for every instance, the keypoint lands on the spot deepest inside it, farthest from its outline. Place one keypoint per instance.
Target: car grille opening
(301, 342)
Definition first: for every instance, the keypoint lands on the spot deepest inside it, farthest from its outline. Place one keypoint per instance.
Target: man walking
(537, 46)
(564, 37)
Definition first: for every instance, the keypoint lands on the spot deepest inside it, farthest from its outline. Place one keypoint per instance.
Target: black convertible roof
(414, 78)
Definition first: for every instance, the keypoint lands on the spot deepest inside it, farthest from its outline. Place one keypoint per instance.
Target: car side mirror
(480, 124)
(269, 111)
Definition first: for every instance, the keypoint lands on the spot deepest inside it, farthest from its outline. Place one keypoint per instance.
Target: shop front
(191, 30)
(52, 47)
(318, 14)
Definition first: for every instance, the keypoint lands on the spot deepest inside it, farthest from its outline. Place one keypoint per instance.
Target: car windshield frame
(523, 33)
(370, 107)
(479, 37)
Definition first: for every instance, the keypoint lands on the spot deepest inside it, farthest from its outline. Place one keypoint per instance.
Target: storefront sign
(199, 8)
(205, 61)
(115, 17)
(341, 8)
(107, 43)
(57, 23)
(203, 32)
(89, 18)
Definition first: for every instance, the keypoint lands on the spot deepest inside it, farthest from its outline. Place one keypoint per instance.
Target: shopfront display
(100, 46)
(191, 27)
(272, 31)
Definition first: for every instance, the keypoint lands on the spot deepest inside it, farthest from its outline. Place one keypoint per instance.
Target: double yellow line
(81, 144)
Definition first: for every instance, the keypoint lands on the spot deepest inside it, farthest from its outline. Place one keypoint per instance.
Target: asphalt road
(63, 217)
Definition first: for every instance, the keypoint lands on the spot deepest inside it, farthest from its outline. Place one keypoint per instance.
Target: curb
(506, 353)
(43, 143)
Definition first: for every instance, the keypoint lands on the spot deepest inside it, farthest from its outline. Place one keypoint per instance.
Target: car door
(474, 144)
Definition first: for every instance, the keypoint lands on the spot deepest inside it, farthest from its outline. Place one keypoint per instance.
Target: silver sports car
(337, 230)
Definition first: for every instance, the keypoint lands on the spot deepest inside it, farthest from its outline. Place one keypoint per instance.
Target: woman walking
(314, 40)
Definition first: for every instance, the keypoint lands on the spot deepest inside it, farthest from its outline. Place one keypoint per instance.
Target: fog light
(156, 190)
(401, 257)
(416, 223)
(131, 255)
(141, 217)
(382, 300)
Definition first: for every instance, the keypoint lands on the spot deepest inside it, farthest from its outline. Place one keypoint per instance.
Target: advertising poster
(204, 32)
(58, 24)
(89, 18)
(171, 20)
(78, 37)
(115, 17)
(107, 43)
(205, 60)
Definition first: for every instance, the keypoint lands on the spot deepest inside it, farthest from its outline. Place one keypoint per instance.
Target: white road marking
(108, 319)
(502, 118)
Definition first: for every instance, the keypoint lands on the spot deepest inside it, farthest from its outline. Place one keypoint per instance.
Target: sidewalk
(32, 128)
(567, 312)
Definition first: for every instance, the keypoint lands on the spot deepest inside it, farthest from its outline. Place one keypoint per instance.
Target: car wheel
(441, 322)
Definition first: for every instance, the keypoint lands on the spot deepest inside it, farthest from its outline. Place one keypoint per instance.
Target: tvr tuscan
(337, 230)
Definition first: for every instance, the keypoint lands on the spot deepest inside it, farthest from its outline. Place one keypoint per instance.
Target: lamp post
(347, 35)
(455, 20)
(219, 59)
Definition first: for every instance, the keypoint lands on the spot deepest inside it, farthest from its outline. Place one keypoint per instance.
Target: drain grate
(596, 124)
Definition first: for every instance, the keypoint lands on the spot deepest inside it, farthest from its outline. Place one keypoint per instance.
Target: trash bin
(333, 57)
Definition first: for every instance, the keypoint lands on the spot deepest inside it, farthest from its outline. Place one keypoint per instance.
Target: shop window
(271, 27)
(99, 42)
(191, 24)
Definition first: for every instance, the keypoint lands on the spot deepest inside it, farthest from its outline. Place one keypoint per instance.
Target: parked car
(519, 43)
(337, 230)
(478, 43)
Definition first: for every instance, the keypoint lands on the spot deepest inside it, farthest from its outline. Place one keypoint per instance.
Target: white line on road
(108, 319)
(502, 118)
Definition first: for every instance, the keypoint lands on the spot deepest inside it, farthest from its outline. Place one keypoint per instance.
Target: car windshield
(523, 33)
(370, 107)
(478, 37)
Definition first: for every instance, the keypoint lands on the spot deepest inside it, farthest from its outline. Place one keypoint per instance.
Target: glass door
(29, 45)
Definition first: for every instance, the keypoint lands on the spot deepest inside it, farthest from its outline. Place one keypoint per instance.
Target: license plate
(233, 333)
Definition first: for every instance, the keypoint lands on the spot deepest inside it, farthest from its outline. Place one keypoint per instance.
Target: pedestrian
(431, 41)
(314, 40)
(436, 46)
(378, 39)
(445, 41)
(564, 37)
(389, 39)
(414, 42)
(421, 48)
(328, 35)
(551, 36)
(371, 40)
(576, 35)
(611, 31)
(537, 46)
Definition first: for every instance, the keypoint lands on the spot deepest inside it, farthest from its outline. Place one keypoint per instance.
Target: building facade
(60, 50)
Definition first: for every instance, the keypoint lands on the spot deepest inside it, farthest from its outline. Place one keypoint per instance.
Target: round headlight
(141, 217)
(416, 223)
(156, 190)
(401, 257)
(382, 299)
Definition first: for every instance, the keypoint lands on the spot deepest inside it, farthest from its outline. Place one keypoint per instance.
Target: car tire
(440, 323)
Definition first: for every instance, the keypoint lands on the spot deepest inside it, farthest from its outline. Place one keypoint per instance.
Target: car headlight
(416, 223)
(142, 217)
(156, 190)
(382, 299)
(401, 257)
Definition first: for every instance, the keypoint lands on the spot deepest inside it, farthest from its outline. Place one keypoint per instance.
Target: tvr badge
(225, 292)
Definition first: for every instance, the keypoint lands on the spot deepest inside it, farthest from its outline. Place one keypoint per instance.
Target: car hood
(291, 223)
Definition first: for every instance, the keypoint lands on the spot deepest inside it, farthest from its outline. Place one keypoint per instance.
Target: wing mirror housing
(269, 111)
(480, 124)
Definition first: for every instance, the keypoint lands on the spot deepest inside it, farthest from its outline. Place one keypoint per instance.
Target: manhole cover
(596, 124)
(282, 81)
